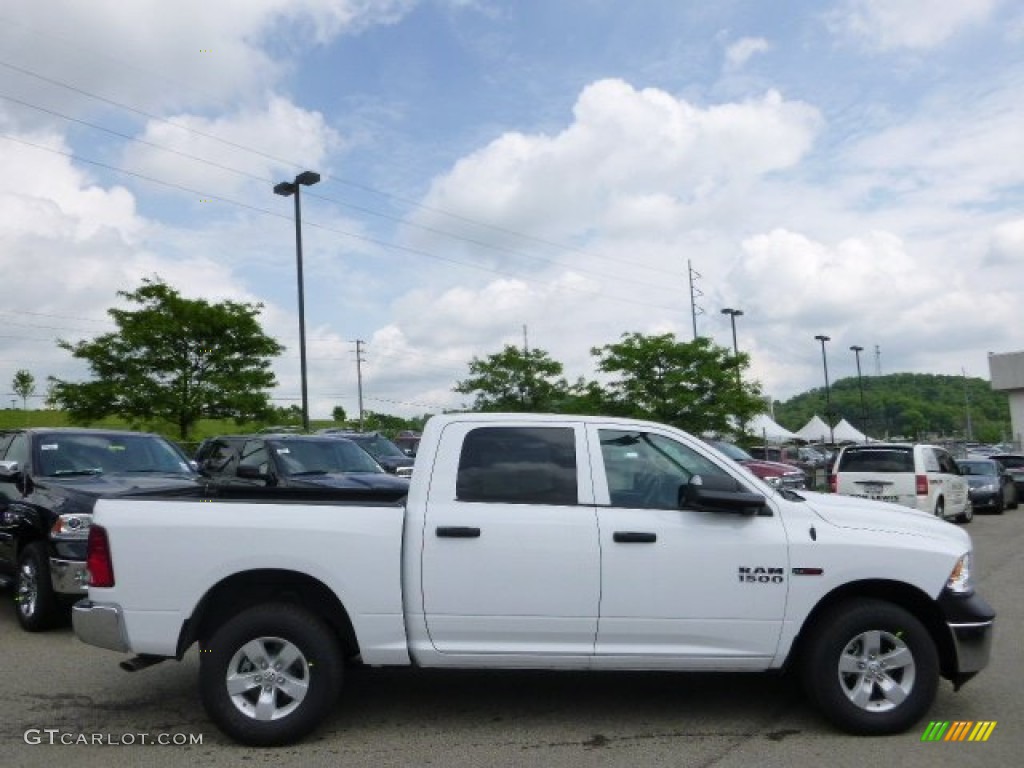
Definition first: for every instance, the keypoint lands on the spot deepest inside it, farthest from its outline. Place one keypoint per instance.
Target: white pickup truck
(540, 541)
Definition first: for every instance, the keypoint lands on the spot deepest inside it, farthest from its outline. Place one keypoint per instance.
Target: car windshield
(71, 455)
(322, 457)
(978, 467)
(734, 452)
(379, 446)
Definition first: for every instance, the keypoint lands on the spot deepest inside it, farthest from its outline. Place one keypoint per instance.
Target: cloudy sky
(853, 168)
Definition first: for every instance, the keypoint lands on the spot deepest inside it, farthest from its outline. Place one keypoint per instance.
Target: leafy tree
(24, 386)
(338, 414)
(174, 359)
(516, 381)
(691, 385)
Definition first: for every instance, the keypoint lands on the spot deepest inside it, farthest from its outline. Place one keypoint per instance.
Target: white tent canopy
(764, 427)
(815, 431)
(845, 432)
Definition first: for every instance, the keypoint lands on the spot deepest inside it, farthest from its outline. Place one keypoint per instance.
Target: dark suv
(49, 482)
(295, 461)
(386, 453)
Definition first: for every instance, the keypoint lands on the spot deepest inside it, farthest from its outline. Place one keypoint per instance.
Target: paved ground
(455, 719)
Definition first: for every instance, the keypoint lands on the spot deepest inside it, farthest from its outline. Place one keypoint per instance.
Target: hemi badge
(808, 571)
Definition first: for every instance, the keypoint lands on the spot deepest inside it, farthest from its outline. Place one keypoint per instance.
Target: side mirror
(9, 471)
(720, 493)
(249, 472)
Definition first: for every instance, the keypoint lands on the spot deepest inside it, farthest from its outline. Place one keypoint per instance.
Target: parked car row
(50, 479)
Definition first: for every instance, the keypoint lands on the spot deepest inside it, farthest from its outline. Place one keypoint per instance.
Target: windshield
(322, 457)
(978, 468)
(378, 446)
(69, 455)
(734, 452)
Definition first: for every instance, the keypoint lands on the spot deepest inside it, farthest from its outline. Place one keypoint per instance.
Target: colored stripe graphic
(935, 730)
(982, 730)
(959, 730)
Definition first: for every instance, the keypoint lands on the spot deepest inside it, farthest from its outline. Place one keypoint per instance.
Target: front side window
(518, 465)
(649, 471)
(254, 454)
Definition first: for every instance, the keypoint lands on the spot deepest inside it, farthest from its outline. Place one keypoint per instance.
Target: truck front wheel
(270, 675)
(38, 607)
(871, 667)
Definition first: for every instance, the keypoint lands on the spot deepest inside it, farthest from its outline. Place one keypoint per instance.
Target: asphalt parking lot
(57, 689)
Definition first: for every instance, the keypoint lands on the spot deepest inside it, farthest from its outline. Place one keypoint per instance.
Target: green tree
(516, 381)
(24, 386)
(338, 414)
(173, 359)
(691, 385)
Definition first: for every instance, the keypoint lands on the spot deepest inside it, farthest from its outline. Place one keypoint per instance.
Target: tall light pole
(860, 385)
(286, 188)
(733, 314)
(828, 395)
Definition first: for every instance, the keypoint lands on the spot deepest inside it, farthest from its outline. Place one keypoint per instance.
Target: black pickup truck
(49, 482)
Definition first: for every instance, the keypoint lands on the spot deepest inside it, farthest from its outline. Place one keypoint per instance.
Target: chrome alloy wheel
(267, 678)
(28, 588)
(877, 671)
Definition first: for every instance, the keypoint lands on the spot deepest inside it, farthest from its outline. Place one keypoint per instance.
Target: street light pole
(860, 385)
(286, 188)
(828, 396)
(733, 314)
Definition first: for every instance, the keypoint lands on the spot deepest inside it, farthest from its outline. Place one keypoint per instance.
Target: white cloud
(282, 131)
(155, 55)
(740, 52)
(913, 24)
(625, 147)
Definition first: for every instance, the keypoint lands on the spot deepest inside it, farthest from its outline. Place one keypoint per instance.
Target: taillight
(97, 558)
(921, 485)
(833, 483)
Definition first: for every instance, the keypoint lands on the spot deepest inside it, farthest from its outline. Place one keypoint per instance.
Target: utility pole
(359, 378)
(878, 360)
(694, 293)
(967, 406)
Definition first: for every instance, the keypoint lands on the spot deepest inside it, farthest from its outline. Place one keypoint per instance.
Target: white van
(924, 477)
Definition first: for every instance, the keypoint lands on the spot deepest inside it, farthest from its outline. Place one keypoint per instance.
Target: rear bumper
(970, 621)
(100, 624)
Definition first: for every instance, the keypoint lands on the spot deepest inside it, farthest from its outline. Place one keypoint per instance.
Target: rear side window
(877, 460)
(518, 465)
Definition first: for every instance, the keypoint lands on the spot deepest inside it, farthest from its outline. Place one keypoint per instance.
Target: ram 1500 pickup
(540, 541)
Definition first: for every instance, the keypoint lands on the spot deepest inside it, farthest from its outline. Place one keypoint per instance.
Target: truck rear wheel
(270, 675)
(871, 667)
(38, 606)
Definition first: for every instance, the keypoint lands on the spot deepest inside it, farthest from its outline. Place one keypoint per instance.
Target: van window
(887, 459)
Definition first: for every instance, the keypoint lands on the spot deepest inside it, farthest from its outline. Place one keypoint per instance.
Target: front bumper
(970, 621)
(69, 577)
(100, 624)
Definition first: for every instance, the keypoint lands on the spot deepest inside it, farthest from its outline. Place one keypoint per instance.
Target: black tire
(278, 630)
(841, 641)
(940, 509)
(38, 608)
(1000, 505)
(967, 515)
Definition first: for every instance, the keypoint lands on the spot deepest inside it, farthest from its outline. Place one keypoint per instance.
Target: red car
(772, 472)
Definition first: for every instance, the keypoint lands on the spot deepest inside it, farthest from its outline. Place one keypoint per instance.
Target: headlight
(71, 526)
(775, 481)
(960, 577)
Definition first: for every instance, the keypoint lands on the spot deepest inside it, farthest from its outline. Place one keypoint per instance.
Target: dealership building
(1007, 372)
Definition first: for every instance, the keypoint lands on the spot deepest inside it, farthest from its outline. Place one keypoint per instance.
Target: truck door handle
(457, 532)
(634, 537)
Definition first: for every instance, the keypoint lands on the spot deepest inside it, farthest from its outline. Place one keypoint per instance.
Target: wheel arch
(906, 596)
(240, 591)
